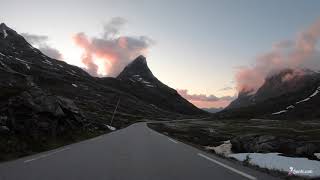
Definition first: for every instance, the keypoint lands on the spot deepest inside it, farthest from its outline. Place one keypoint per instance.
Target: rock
(306, 150)
(34, 111)
(4, 130)
(241, 144)
(68, 104)
(223, 149)
(262, 144)
(38, 102)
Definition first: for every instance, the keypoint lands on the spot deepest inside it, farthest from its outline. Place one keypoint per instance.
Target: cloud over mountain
(41, 42)
(289, 54)
(110, 53)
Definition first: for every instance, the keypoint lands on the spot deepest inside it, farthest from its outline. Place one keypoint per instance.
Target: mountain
(213, 110)
(145, 86)
(289, 94)
(41, 97)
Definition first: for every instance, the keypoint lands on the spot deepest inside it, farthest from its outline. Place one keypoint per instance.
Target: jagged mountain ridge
(95, 98)
(146, 87)
(280, 98)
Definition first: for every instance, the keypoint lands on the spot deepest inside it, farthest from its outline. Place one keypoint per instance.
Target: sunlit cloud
(297, 54)
(109, 54)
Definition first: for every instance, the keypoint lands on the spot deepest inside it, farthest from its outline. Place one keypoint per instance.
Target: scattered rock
(306, 150)
(224, 149)
(35, 112)
(267, 143)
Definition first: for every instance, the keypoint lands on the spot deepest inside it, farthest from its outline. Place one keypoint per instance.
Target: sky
(196, 47)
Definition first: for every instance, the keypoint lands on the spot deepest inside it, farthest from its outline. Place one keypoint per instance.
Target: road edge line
(228, 167)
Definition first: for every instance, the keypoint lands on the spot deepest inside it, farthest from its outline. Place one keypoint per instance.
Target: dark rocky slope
(43, 98)
(296, 98)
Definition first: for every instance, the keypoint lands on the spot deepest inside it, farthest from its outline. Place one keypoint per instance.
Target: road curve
(133, 153)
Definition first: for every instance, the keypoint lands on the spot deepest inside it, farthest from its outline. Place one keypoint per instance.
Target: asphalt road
(133, 153)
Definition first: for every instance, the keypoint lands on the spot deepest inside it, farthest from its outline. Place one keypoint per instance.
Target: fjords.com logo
(293, 171)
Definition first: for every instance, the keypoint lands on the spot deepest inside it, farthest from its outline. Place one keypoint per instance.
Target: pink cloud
(202, 100)
(113, 50)
(296, 54)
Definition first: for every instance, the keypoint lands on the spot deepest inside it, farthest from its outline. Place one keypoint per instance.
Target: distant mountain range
(284, 95)
(41, 95)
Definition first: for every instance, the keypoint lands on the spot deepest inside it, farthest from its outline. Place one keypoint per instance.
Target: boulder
(262, 144)
(33, 111)
(4, 130)
(307, 150)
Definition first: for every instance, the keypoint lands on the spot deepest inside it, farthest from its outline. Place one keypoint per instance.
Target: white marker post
(114, 112)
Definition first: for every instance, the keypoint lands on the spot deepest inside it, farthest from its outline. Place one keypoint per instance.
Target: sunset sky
(196, 47)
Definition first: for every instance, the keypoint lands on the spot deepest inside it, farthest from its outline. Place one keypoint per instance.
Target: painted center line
(46, 155)
(228, 167)
(172, 140)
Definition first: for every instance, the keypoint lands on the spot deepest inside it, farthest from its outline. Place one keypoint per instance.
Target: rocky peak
(5, 31)
(138, 67)
(276, 85)
(139, 60)
(3, 26)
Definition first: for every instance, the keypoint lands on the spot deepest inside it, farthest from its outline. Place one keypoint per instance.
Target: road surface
(133, 153)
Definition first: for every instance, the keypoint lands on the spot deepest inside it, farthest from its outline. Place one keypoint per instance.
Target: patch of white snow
(315, 93)
(24, 62)
(304, 100)
(280, 112)
(273, 161)
(111, 127)
(5, 34)
(290, 107)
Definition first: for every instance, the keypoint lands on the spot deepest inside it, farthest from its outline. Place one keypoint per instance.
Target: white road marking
(228, 167)
(153, 131)
(29, 160)
(47, 155)
(172, 140)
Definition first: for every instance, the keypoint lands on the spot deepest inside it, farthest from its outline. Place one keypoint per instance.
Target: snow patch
(24, 62)
(290, 107)
(2, 54)
(304, 100)
(74, 85)
(145, 82)
(317, 155)
(111, 128)
(274, 161)
(2, 64)
(280, 112)
(47, 62)
(5, 34)
(315, 93)
(148, 85)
